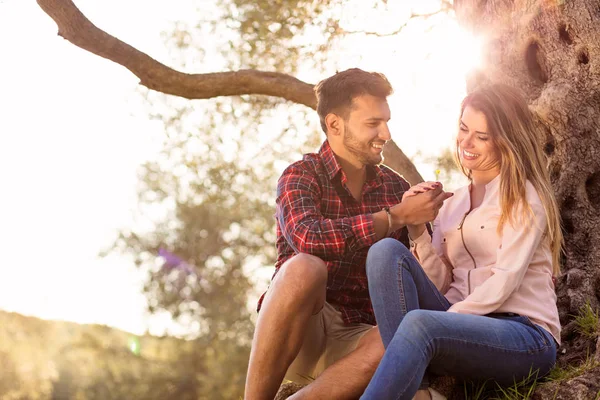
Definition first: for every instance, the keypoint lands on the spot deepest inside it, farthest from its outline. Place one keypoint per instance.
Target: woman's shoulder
(531, 194)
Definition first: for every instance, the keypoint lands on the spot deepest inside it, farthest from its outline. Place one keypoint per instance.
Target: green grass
(474, 390)
(558, 374)
(517, 391)
(586, 321)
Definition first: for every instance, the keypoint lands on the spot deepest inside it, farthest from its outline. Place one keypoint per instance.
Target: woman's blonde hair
(513, 130)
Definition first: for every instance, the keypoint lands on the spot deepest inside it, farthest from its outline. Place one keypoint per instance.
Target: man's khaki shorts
(326, 340)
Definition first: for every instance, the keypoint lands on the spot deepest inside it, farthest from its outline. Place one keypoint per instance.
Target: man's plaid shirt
(316, 214)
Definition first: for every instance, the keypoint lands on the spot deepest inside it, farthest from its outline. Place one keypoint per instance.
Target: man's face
(366, 130)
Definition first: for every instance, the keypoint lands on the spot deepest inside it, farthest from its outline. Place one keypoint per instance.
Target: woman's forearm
(415, 231)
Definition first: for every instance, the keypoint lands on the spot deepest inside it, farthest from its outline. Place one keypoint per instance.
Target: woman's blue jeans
(419, 335)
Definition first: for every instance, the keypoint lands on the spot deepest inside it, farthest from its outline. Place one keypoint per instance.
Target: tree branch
(395, 158)
(77, 29)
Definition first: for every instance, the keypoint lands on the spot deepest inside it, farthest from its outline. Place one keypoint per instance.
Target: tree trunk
(551, 51)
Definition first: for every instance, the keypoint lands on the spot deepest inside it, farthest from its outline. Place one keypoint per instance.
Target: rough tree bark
(77, 29)
(550, 49)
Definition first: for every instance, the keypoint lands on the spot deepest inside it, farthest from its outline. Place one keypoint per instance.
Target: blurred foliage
(67, 361)
(268, 35)
(208, 197)
(444, 168)
(281, 35)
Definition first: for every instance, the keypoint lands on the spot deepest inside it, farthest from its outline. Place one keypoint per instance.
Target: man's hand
(420, 204)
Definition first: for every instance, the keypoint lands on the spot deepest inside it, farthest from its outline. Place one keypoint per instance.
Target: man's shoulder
(305, 172)
(310, 162)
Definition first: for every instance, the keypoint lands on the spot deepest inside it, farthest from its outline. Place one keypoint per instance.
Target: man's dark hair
(336, 93)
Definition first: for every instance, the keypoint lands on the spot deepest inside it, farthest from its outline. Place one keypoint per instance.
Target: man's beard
(362, 151)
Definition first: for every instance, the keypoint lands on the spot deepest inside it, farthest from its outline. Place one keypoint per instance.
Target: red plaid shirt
(316, 214)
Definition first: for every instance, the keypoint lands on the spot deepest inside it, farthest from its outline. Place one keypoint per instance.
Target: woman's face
(476, 149)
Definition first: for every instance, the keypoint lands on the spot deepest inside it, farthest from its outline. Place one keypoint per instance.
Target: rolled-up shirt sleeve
(299, 217)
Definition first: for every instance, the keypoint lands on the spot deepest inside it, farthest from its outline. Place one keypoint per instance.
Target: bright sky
(73, 133)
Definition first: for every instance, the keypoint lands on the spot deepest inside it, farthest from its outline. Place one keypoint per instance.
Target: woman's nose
(466, 141)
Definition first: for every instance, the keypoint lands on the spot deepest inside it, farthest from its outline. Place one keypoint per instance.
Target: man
(316, 319)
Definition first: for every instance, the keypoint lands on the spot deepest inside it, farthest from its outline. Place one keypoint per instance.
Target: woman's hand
(421, 188)
(415, 231)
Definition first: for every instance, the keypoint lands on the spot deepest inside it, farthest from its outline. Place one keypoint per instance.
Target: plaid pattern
(316, 214)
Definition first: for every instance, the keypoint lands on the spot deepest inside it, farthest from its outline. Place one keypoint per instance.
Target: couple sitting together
(379, 285)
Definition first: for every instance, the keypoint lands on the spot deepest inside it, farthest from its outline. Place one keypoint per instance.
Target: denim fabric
(420, 335)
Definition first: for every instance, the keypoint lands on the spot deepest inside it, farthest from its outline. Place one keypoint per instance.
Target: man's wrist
(398, 217)
(390, 226)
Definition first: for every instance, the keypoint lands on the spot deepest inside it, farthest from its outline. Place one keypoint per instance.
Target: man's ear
(334, 124)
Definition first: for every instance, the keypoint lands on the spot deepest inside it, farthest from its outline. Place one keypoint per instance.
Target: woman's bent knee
(383, 255)
(419, 323)
(386, 245)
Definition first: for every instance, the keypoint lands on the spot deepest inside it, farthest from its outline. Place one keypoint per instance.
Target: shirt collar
(493, 183)
(490, 186)
(332, 166)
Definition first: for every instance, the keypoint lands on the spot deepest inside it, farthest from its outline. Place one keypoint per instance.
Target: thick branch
(77, 29)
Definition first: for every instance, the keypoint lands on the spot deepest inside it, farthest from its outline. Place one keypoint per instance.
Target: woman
(476, 299)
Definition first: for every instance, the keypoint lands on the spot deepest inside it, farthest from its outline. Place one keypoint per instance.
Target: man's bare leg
(296, 293)
(348, 377)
